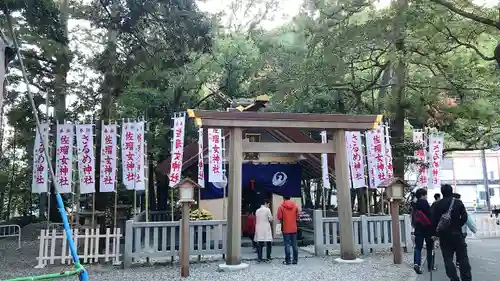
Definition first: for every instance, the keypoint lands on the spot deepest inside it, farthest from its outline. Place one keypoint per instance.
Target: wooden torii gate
(336, 124)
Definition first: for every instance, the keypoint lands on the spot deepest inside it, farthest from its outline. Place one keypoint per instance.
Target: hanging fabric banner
(376, 156)
(324, 163)
(177, 151)
(64, 157)
(40, 169)
(215, 156)
(389, 172)
(140, 155)
(356, 159)
(86, 160)
(128, 155)
(201, 172)
(436, 145)
(421, 158)
(108, 158)
(349, 152)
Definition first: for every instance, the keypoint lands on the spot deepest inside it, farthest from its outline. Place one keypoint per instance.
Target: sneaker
(286, 263)
(294, 262)
(417, 269)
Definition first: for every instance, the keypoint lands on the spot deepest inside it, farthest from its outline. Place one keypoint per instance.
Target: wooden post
(234, 202)
(396, 233)
(184, 251)
(347, 247)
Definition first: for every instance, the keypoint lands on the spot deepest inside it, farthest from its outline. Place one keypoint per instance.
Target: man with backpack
(448, 218)
(423, 230)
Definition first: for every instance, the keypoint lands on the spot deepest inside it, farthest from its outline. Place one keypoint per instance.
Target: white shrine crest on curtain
(64, 157)
(86, 160)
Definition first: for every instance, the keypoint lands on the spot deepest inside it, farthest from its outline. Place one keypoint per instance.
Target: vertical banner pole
(171, 204)
(223, 142)
(48, 176)
(146, 181)
(93, 194)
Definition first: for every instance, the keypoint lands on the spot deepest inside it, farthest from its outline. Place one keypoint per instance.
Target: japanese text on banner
(375, 147)
(128, 155)
(324, 163)
(436, 144)
(356, 160)
(201, 169)
(108, 158)
(388, 154)
(139, 152)
(177, 150)
(85, 148)
(64, 157)
(421, 157)
(349, 152)
(40, 169)
(215, 156)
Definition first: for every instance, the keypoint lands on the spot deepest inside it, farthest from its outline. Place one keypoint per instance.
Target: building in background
(464, 171)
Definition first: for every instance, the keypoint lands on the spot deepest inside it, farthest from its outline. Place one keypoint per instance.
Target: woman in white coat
(263, 231)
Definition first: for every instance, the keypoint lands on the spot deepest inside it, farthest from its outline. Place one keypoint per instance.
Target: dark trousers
(250, 236)
(419, 245)
(451, 245)
(290, 240)
(268, 249)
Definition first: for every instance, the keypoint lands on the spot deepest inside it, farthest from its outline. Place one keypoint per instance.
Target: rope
(81, 271)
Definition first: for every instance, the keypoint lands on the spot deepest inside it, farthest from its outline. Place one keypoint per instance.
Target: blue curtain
(281, 179)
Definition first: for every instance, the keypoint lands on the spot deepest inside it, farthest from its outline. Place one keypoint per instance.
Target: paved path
(484, 256)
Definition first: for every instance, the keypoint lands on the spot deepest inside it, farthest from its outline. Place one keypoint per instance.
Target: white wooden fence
(161, 240)
(11, 230)
(370, 233)
(54, 246)
(486, 227)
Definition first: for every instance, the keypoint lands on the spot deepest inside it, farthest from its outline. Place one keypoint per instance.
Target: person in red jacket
(287, 214)
(249, 230)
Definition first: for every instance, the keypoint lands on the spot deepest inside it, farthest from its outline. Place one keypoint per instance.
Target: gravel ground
(376, 267)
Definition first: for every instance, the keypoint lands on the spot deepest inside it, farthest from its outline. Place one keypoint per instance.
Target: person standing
(423, 231)
(287, 214)
(437, 197)
(249, 230)
(263, 231)
(448, 218)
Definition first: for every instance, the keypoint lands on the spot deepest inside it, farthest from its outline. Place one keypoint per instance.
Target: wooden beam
(276, 147)
(315, 125)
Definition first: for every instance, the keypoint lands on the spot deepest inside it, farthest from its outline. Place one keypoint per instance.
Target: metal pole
(486, 179)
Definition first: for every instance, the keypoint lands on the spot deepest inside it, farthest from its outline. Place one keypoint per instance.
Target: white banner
(356, 159)
(128, 144)
(177, 151)
(421, 158)
(64, 157)
(40, 169)
(324, 163)
(436, 145)
(215, 156)
(201, 166)
(389, 172)
(86, 160)
(108, 170)
(140, 150)
(376, 156)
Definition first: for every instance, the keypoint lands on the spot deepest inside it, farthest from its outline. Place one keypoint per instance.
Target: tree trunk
(63, 58)
(398, 89)
(108, 89)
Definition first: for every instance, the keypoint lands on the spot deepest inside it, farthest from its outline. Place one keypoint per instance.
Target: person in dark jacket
(451, 239)
(423, 231)
(437, 197)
